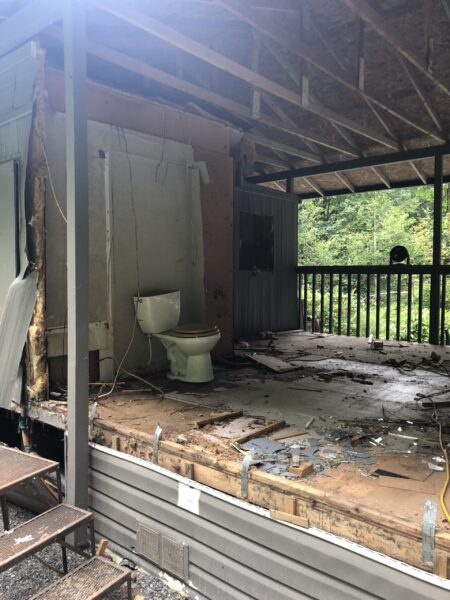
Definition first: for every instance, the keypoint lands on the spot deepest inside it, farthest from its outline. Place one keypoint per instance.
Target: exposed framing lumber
(380, 24)
(418, 172)
(146, 23)
(147, 71)
(297, 47)
(260, 139)
(373, 187)
(418, 88)
(313, 185)
(360, 163)
(273, 145)
(382, 177)
(297, 500)
(27, 22)
(345, 180)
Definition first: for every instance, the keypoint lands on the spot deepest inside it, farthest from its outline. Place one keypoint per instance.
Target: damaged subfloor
(360, 423)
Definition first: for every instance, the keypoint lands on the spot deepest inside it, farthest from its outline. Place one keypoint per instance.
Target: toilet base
(196, 369)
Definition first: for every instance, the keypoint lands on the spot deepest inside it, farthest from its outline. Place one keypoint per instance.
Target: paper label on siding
(189, 498)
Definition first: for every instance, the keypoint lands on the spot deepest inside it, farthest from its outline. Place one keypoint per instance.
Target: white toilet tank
(159, 312)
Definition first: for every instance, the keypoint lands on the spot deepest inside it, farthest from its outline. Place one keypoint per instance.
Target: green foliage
(360, 229)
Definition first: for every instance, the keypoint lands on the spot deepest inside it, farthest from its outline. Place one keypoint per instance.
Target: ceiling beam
(257, 138)
(361, 163)
(28, 22)
(423, 95)
(391, 35)
(133, 65)
(418, 172)
(316, 187)
(345, 180)
(285, 148)
(332, 69)
(147, 23)
(364, 189)
(381, 176)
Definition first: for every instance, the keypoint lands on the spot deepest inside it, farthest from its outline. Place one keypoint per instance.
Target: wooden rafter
(297, 47)
(418, 172)
(424, 97)
(315, 186)
(380, 24)
(152, 73)
(147, 23)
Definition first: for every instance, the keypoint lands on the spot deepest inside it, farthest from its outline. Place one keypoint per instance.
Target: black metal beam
(435, 288)
(357, 163)
(372, 188)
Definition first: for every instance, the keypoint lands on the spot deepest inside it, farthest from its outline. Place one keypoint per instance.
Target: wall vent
(175, 558)
(148, 543)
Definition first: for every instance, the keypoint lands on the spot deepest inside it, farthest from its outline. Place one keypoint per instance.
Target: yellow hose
(435, 418)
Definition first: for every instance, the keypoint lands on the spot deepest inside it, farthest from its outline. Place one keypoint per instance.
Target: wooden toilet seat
(191, 330)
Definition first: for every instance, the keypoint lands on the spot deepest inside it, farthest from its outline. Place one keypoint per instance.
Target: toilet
(188, 346)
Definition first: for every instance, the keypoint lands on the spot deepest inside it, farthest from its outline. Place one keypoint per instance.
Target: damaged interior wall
(137, 177)
(18, 74)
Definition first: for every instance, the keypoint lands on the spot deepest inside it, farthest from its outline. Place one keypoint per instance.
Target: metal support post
(77, 255)
(435, 292)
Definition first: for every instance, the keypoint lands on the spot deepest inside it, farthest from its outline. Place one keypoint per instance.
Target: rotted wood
(36, 372)
(394, 536)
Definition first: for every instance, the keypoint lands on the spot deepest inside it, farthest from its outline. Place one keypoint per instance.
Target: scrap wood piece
(277, 515)
(101, 548)
(256, 433)
(221, 417)
(310, 358)
(287, 434)
(271, 362)
(303, 470)
(310, 422)
(441, 563)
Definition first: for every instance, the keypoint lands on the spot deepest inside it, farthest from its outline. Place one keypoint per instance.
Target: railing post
(437, 250)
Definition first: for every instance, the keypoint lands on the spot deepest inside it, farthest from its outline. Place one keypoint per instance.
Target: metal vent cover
(175, 558)
(148, 543)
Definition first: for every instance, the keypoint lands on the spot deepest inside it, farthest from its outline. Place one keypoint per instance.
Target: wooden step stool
(92, 580)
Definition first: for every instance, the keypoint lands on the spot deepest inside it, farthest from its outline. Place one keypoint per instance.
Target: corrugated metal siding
(235, 553)
(267, 300)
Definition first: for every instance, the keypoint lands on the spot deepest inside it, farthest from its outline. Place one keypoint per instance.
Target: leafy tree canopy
(360, 229)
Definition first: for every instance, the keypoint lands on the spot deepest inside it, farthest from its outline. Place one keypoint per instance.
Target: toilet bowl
(188, 346)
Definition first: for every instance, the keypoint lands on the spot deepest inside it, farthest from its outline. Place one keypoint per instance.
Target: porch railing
(389, 302)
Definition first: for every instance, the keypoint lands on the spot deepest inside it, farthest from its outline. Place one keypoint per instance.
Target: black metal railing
(388, 302)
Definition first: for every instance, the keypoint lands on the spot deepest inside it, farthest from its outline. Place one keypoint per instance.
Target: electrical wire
(50, 178)
(435, 418)
(138, 284)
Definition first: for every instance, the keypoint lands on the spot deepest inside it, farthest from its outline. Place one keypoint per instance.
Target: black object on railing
(389, 301)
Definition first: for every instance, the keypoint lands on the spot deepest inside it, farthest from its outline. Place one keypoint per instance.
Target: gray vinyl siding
(235, 553)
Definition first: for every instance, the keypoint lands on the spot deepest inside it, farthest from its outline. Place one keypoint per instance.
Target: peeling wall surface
(232, 550)
(8, 222)
(18, 72)
(145, 232)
